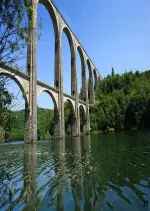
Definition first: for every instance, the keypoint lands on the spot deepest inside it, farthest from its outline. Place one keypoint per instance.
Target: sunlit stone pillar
(84, 83)
(91, 87)
(87, 115)
(31, 120)
(59, 131)
(87, 119)
(74, 91)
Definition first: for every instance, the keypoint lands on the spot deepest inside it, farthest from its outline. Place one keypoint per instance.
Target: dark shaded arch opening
(69, 116)
(47, 115)
(7, 75)
(14, 110)
(68, 62)
(82, 118)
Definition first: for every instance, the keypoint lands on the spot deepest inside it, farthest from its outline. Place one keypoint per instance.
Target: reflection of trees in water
(116, 167)
(86, 170)
(10, 173)
(90, 169)
(16, 192)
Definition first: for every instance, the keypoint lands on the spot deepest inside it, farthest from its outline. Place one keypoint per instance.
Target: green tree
(112, 72)
(122, 102)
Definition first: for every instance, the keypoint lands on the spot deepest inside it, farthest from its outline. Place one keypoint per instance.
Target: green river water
(103, 172)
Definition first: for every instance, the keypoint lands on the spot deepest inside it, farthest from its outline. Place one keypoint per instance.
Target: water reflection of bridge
(80, 175)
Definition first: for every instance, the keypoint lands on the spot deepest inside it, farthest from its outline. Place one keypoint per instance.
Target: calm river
(105, 172)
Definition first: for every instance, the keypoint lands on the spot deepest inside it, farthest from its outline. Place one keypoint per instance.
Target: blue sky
(115, 33)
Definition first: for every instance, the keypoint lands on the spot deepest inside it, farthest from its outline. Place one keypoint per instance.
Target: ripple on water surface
(107, 172)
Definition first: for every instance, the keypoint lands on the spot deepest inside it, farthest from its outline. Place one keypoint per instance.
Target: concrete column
(82, 118)
(74, 91)
(91, 88)
(58, 81)
(84, 83)
(87, 115)
(96, 82)
(87, 118)
(31, 121)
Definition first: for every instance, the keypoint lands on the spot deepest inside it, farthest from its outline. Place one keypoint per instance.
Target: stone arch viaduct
(31, 87)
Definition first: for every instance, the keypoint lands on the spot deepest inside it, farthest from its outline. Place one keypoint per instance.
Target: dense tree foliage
(45, 123)
(45, 126)
(6, 117)
(15, 121)
(122, 102)
(68, 112)
(14, 29)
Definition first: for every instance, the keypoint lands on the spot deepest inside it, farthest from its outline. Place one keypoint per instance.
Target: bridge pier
(31, 118)
(74, 92)
(87, 119)
(58, 81)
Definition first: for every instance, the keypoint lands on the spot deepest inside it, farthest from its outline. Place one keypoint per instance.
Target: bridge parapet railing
(14, 69)
(47, 85)
(82, 101)
(69, 96)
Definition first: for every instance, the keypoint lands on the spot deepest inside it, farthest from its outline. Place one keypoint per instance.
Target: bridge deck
(17, 72)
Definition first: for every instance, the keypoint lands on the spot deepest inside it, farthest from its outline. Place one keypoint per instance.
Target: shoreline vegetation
(122, 103)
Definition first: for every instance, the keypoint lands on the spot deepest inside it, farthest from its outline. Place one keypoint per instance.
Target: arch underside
(18, 83)
(83, 74)
(47, 4)
(70, 40)
(72, 76)
(90, 70)
(52, 97)
(82, 59)
(90, 82)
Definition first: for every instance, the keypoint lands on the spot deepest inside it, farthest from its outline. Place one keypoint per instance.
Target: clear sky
(115, 33)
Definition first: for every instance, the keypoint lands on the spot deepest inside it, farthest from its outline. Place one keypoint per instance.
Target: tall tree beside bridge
(14, 28)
